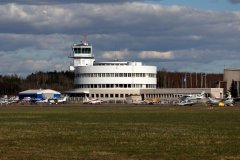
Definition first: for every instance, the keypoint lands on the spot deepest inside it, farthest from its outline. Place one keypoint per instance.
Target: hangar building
(39, 94)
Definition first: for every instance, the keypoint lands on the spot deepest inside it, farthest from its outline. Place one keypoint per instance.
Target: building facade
(108, 80)
(232, 75)
(117, 80)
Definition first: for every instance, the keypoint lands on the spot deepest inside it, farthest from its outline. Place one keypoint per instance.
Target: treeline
(13, 84)
(64, 80)
(166, 79)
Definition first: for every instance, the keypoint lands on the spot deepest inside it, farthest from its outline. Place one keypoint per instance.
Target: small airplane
(42, 101)
(57, 100)
(140, 102)
(3, 101)
(194, 96)
(35, 100)
(191, 99)
(8, 100)
(62, 100)
(186, 103)
(13, 99)
(227, 101)
(92, 101)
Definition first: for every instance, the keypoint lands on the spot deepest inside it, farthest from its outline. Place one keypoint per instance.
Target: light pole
(196, 80)
(185, 79)
(204, 78)
(201, 80)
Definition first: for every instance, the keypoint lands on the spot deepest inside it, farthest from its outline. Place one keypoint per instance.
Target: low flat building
(175, 93)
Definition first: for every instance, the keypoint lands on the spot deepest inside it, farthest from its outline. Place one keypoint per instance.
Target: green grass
(119, 132)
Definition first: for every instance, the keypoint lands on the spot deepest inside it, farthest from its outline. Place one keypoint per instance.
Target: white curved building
(117, 80)
(108, 80)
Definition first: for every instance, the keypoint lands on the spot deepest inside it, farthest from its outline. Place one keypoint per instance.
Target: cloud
(112, 55)
(134, 31)
(54, 2)
(234, 1)
(156, 54)
(29, 60)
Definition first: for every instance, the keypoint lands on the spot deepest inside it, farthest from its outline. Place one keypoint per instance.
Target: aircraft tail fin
(229, 96)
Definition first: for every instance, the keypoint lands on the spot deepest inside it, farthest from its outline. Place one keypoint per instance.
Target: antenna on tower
(85, 39)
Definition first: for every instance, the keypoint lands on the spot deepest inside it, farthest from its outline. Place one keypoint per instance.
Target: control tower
(82, 55)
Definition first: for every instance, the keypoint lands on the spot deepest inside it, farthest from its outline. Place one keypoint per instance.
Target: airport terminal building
(118, 80)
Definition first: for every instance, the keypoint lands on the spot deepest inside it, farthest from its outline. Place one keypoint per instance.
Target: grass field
(119, 132)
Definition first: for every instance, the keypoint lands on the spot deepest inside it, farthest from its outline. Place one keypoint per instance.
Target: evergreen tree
(233, 89)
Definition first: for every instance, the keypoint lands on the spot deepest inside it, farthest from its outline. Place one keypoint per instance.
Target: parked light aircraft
(5, 100)
(227, 101)
(92, 101)
(191, 99)
(42, 101)
(140, 102)
(57, 100)
(62, 100)
(194, 96)
(186, 103)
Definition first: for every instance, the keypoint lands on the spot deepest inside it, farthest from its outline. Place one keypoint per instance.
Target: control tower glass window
(82, 50)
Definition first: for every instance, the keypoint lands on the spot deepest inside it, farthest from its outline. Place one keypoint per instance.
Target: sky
(176, 35)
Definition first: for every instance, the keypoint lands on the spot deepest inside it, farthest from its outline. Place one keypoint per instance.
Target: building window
(111, 95)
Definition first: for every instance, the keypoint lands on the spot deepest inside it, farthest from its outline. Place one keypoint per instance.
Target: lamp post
(196, 80)
(185, 79)
(204, 78)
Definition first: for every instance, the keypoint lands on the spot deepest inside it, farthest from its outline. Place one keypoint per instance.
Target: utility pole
(191, 79)
(205, 80)
(185, 80)
(196, 81)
